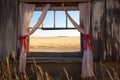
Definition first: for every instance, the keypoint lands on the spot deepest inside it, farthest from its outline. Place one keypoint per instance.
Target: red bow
(87, 43)
(23, 41)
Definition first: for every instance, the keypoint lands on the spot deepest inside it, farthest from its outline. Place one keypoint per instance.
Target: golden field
(54, 44)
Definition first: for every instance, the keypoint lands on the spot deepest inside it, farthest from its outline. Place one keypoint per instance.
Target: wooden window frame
(54, 56)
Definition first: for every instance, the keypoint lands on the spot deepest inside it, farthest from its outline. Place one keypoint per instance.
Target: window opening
(55, 40)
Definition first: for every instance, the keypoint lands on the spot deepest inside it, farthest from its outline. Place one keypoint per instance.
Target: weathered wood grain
(8, 27)
(105, 26)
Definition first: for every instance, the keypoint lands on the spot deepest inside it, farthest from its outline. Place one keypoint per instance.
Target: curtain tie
(87, 43)
(23, 42)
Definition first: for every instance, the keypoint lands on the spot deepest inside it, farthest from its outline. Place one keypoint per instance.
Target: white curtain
(26, 11)
(40, 20)
(87, 62)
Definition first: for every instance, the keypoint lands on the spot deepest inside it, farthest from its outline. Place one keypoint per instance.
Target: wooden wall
(106, 29)
(8, 27)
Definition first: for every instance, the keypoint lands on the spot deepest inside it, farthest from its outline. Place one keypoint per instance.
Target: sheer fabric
(26, 11)
(40, 20)
(87, 62)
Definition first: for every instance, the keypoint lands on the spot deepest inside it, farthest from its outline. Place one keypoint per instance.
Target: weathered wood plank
(54, 59)
(97, 27)
(56, 4)
(54, 1)
(112, 28)
(54, 54)
(8, 27)
(105, 26)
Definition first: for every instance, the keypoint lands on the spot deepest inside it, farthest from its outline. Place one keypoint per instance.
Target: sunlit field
(54, 44)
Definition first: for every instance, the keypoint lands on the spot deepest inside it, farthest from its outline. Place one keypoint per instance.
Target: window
(49, 20)
(60, 19)
(74, 15)
(48, 38)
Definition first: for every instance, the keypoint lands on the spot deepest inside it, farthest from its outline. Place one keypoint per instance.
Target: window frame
(60, 56)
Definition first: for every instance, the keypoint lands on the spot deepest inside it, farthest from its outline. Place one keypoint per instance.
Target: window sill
(54, 59)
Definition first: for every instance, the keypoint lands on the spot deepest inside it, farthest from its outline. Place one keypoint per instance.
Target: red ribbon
(87, 43)
(23, 41)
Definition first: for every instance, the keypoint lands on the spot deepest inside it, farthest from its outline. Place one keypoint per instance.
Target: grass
(54, 44)
(9, 71)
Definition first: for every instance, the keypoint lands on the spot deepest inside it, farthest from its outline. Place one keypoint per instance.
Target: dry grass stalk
(32, 71)
(14, 71)
(109, 73)
(48, 77)
(116, 76)
(36, 71)
(95, 69)
(102, 71)
(67, 75)
(12, 56)
(41, 73)
(8, 69)
(25, 76)
(110, 76)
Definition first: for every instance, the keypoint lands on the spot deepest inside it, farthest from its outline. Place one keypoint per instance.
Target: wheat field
(54, 44)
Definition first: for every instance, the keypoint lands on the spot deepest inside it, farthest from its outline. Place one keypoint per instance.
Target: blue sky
(59, 22)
